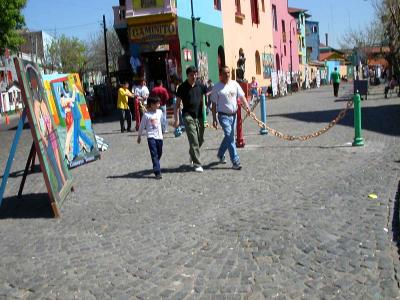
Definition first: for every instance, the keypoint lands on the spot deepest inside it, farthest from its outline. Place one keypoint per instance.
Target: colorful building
(159, 39)
(248, 36)
(300, 15)
(312, 40)
(284, 27)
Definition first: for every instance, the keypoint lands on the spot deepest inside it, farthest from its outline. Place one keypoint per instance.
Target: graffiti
(203, 65)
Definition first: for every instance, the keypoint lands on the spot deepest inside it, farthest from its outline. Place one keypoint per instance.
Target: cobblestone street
(295, 223)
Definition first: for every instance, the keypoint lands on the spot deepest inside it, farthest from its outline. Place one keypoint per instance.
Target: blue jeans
(155, 147)
(228, 143)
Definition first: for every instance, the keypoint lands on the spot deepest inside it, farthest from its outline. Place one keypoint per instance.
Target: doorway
(154, 67)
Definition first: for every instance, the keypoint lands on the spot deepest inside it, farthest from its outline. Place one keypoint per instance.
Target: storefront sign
(149, 32)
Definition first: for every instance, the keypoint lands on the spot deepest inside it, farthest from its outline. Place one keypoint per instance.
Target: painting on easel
(56, 175)
(70, 112)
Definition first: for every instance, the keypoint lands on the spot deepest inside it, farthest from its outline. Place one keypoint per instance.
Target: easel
(29, 164)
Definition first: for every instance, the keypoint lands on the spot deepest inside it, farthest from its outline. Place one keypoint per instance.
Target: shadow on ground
(382, 119)
(149, 174)
(30, 206)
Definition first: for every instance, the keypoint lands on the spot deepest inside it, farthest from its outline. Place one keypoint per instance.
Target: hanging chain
(315, 134)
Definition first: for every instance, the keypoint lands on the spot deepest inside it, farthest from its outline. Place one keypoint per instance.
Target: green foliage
(11, 19)
(73, 57)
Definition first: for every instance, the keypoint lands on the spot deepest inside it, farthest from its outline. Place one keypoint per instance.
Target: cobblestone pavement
(295, 223)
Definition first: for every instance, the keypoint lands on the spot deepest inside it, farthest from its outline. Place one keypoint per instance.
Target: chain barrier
(315, 134)
(256, 102)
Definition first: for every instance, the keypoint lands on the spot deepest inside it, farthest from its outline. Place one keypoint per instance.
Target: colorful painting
(268, 65)
(72, 119)
(46, 140)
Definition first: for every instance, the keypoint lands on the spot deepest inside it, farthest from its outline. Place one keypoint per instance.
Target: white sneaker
(198, 169)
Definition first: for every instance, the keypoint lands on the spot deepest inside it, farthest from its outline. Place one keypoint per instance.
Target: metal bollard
(239, 128)
(263, 104)
(358, 139)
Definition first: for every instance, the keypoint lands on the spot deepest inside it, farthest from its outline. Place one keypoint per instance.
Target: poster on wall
(47, 144)
(268, 65)
(72, 119)
(203, 66)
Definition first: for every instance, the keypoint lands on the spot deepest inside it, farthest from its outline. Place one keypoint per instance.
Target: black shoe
(158, 176)
(122, 130)
(129, 130)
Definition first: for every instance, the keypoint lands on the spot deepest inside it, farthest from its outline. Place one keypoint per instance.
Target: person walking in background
(160, 91)
(142, 93)
(151, 122)
(253, 90)
(335, 79)
(224, 97)
(210, 86)
(123, 107)
(391, 85)
(190, 93)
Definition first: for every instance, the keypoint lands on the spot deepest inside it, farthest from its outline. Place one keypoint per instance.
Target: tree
(96, 51)
(52, 58)
(73, 58)
(11, 20)
(389, 14)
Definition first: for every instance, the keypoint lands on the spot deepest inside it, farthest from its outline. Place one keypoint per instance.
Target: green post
(204, 111)
(358, 140)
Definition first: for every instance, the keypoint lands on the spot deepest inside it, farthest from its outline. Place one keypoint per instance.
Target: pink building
(247, 30)
(285, 37)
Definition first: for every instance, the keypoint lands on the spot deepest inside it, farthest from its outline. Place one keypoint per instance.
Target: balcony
(168, 8)
(119, 17)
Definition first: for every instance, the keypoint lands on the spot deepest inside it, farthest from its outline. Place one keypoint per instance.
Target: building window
(217, 4)
(255, 17)
(314, 29)
(263, 5)
(238, 9)
(303, 43)
(283, 26)
(284, 50)
(274, 18)
(148, 3)
(258, 63)
(300, 59)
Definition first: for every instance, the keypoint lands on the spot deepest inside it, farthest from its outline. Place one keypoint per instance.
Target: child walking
(151, 122)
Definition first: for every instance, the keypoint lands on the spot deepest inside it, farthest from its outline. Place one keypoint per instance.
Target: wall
(312, 39)
(209, 35)
(290, 22)
(248, 36)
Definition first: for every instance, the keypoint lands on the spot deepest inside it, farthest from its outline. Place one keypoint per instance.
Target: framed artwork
(53, 165)
(70, 112)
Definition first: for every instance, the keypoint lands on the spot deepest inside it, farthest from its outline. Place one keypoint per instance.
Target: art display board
(72, 120)
(46, 141)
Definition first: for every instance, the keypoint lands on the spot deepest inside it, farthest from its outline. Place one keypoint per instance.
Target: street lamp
(194, 19)
(291, 58)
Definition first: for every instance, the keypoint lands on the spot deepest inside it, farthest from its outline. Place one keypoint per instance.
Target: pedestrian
(224, 97)
(253, 90)
(151, 122)
(190, 93)
(335, 79)
(210, 86)
(160, 91)
(122, 105)
(391, 85)
(142, 93)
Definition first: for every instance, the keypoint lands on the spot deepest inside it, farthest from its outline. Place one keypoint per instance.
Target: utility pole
(291, 57)
(194, 35)
(105, 45)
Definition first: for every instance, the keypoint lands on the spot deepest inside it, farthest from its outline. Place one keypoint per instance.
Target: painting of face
(46, 141)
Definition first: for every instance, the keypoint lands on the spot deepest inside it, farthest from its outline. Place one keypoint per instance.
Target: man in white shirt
(142, 92)
(224, 98)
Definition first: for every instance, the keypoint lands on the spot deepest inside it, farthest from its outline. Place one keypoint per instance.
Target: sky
(335, 17)
(81, 18)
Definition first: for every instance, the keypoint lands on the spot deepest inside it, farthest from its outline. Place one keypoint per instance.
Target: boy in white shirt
(151, 122)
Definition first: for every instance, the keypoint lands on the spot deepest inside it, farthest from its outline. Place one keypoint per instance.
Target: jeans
(164, 118)
(155, 147)
(195, 134)
(228, 143)
(125, 114)
(335, 89)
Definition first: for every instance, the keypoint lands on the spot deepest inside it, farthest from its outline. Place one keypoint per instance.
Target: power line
(71, 27)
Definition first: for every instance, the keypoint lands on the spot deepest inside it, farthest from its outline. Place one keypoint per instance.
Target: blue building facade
(312, 40)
